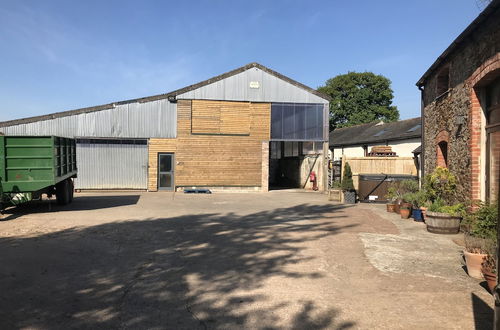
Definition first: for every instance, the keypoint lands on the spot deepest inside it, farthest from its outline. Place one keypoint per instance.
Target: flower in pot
(489, 270)
(348, 186)
(480, 236)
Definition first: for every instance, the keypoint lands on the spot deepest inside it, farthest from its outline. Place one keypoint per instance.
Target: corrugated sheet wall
(112, 166)
(237, 88)
(133, 120)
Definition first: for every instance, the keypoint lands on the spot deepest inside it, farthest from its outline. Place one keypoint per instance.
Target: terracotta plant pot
(406, 206)
(390, 207)
(473, 262)
(442, 223)
(396, 208)
(405, 212)
(491, 279)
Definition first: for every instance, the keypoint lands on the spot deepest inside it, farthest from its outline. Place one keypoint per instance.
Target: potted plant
(443, 216)
(444, 219)
(391, 198)
(406, 206)
(489, 270)
(417, 200)
(348, 185)
(395, 196)
(475, 252)
(480, 229)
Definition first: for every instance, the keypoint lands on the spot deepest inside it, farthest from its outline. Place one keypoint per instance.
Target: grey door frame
(172, 171)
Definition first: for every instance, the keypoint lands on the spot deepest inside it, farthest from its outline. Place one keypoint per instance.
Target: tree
(347, 184)
(359, 98)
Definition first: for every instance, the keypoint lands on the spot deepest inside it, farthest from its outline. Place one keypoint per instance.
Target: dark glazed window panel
(300, 123)
(165, 180)
(276, 121)
(289, 121)
(297, 121)
(165, 163)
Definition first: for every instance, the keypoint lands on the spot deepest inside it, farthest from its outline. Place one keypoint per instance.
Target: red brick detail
(482, 76)
(442, 142)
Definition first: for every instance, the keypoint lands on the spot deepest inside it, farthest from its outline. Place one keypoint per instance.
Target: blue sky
(63, 55)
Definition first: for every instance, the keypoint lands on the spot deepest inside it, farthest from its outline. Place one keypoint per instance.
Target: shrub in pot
(480, 237)
(475, 251)
(443, 216)
(406, 206)
(417, 200)
(444, 219)
(392, 199)
(348, 186)
(396, 192)
(489, 270)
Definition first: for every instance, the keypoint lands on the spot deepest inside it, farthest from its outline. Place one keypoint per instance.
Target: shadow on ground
(80, 203)
(483, 313)
(187, 272)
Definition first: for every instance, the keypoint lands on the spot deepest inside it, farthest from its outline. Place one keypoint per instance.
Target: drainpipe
(422, 139)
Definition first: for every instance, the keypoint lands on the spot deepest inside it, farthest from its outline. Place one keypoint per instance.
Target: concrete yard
(278, 260)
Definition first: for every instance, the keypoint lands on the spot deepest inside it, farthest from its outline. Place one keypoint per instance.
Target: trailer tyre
(71, 187)
(62, 192)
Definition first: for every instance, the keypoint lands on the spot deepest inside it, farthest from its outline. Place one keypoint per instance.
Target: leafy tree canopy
(359, 98)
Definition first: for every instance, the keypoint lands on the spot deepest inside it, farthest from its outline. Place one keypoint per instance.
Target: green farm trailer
(34, 165)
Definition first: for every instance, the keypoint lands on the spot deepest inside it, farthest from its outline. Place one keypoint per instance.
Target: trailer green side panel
(32, 163)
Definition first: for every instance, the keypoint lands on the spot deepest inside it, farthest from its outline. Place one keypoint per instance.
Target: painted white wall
(402, 148)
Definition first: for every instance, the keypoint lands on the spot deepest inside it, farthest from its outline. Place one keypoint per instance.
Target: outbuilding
(248, 129)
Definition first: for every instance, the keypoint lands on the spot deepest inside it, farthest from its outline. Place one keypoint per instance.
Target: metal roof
(170, 95)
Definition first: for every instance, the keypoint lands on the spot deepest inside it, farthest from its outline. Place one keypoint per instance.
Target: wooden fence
(379, 165)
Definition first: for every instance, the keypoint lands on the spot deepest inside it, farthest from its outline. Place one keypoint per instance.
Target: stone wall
(443, 115)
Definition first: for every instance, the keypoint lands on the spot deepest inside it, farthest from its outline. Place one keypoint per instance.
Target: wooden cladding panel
(215, 160)
(220, 117)
(156, 146)
(183, 117)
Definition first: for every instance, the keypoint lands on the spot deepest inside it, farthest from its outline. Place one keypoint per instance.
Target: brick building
(461, 108)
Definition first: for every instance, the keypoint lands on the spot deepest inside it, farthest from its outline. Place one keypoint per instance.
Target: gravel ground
(278, 260)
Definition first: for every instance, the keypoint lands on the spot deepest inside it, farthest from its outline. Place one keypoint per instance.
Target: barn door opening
(165, 171)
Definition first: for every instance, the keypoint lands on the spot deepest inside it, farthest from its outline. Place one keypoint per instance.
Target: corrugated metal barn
(249, 129)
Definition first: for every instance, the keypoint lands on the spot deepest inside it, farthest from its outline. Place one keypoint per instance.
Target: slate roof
(376, 132)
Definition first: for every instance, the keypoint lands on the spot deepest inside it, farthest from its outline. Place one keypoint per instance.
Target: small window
(382, 132)
(443, 81)
(442, 154)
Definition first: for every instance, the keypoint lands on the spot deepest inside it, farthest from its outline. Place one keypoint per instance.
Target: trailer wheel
(71, 187)
(62, 192)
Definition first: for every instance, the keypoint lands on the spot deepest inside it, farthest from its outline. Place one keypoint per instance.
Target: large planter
(473, 262)
(350, 197)
(442, 223)
(416, 214)
(491, 279)
(397, 208)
